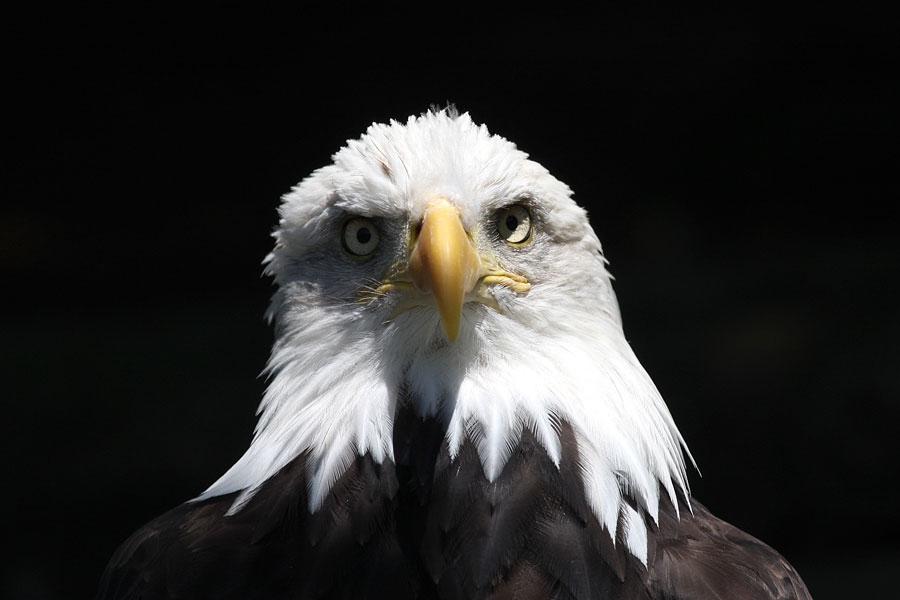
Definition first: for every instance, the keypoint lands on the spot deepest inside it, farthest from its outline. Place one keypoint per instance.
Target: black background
(738, 163)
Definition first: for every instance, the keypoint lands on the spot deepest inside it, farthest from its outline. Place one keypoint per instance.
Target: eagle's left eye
(360, 236)
(514, 224)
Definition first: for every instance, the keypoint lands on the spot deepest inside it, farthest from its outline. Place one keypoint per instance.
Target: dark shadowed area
(739, 165)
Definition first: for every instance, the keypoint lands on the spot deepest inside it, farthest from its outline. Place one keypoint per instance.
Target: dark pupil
(363, 235)
(512, 223)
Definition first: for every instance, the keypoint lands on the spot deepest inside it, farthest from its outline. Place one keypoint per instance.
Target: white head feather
(557, 353)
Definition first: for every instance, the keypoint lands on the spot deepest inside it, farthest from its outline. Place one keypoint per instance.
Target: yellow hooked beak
(444, 263)
(444, 269)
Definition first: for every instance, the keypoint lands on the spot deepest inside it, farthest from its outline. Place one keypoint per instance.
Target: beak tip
(451, 330)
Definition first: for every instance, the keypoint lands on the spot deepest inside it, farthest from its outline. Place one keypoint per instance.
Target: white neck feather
(337, 377)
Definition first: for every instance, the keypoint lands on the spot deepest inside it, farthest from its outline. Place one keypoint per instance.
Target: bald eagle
(453, 410)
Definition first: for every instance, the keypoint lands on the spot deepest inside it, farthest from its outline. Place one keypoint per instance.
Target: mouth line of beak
(402, 282)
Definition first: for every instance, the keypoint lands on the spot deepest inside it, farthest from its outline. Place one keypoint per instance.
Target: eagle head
(434, 266)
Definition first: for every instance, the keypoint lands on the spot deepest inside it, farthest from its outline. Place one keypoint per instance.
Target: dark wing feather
(273, 547)
(702, 557)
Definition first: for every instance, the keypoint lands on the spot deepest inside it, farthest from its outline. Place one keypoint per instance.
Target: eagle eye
(360, 236)
(514, 225)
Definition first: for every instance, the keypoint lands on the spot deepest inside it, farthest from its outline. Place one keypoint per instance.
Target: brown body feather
(430, 527)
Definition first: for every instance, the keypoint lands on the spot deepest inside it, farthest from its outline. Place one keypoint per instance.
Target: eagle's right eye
(360, 236)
